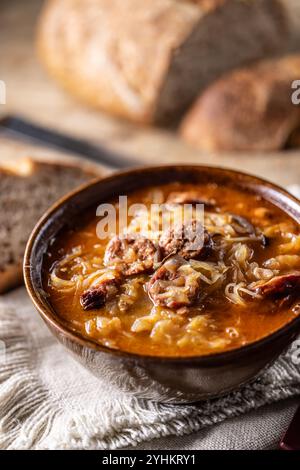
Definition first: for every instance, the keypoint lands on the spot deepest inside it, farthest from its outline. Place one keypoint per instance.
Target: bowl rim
(207, 360)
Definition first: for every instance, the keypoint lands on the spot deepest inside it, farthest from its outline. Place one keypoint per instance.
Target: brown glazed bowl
(163, 379)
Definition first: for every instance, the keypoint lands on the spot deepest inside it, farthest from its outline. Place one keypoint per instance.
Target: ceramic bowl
(162, 379)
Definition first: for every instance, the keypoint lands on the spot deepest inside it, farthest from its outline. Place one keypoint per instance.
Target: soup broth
(154, 291)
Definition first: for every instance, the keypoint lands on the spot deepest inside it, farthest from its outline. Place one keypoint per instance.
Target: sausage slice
(282, 286)
(131, 254)
(175, 284)
(97, 296)
(188, 241)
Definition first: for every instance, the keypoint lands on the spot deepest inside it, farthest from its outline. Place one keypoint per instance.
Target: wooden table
(31, 93)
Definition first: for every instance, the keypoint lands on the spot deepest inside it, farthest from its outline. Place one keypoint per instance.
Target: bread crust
(10, 277)
(11, 270)
(249, 109)
(92, 48)
(27, 166)
(132, 58)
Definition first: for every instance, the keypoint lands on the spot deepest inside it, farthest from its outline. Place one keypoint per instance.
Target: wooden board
(31, 93)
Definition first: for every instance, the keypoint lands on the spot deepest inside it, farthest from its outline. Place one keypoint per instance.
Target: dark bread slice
(27, 189)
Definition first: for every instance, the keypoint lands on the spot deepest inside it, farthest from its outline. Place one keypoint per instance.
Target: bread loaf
(27, 189)
(147, 60)
(248, 109)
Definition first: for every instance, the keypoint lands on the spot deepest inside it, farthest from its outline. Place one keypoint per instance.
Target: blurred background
(34, 95)
(159, 81)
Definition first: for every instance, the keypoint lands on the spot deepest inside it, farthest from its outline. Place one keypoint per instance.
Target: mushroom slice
(242, 225)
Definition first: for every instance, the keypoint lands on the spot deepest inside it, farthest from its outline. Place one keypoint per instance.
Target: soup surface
(198, 269)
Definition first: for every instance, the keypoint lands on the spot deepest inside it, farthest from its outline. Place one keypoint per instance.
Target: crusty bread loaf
(248, 109)
(27, 189)
(147, 60)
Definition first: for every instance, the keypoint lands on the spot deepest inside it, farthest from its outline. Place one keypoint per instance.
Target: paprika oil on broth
(151, 293)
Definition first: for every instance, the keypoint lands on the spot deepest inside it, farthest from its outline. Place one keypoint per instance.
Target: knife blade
(20, 128)
(291, 439)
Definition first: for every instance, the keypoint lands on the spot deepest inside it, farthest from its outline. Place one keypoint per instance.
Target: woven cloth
(48, 401)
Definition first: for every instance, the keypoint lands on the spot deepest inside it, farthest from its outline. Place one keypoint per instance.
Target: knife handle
(291, 439)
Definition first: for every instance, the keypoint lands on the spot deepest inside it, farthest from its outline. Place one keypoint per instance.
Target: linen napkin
(48, 401)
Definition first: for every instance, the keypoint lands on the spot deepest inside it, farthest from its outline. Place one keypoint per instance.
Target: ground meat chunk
(282, 286)
(189, 241)
(131, 254)
(97, 296)
(175, 284)
(190, 197)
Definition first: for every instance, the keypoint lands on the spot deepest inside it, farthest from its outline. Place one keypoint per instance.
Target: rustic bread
(27, 189)
(248, 109)
(147, 60)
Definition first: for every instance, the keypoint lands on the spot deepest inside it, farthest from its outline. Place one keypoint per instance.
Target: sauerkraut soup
(152, 291)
